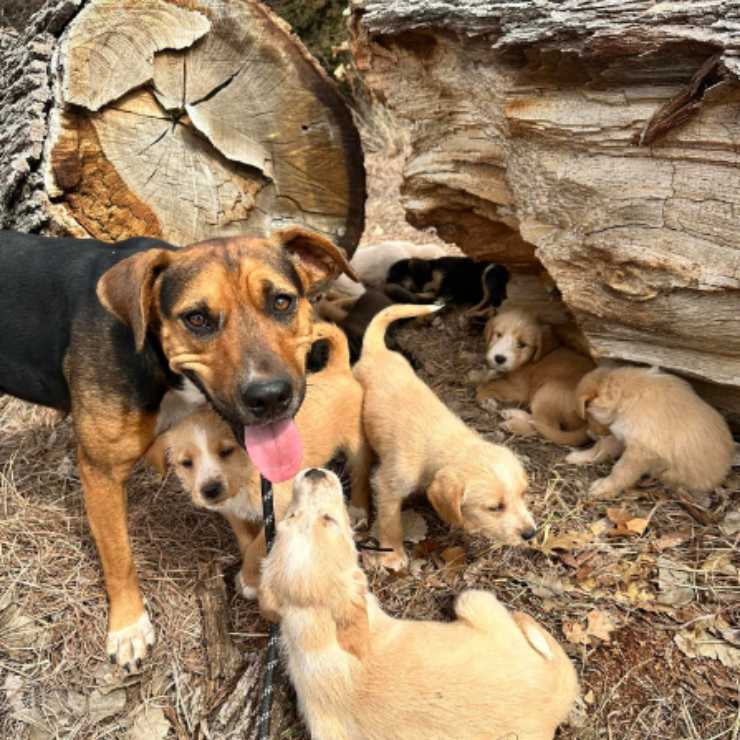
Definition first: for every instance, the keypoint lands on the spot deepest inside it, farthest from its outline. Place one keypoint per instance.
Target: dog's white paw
(602, 488)
(488, 404)
(247, 591)
(475, 377)
(389, 560)
(358, 517)
(127, 647)
(517, 422)
(578, 457)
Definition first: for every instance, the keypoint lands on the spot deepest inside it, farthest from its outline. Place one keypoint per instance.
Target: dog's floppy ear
(319, 259)
(446, 496)
(488, 331)
(353, 628)
(127, 289)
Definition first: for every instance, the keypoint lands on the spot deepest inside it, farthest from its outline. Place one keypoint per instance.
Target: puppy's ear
(488, 331)
(127, 290)
(319, 259)
(446, 496)
(353, 627)
(268, 603)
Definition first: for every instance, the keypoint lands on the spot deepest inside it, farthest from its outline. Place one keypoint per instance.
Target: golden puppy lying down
(658, 425)
(530, 367)
(422, 445)
(364, 675)
(219, 476)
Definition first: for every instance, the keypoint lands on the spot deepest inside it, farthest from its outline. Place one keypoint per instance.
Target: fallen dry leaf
(674, 583)
(149, 724)
(575, 633)
(697, 642)
(671, 539)
(567, 541)
(589, 697)
(625, 525)
(731, 523)
(600, 625)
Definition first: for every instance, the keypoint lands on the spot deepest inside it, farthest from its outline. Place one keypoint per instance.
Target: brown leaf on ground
(454, 558)
(697, 641)
(575, 633)
(600, 625)
(674, 582)
(671, 539)
(626, 525)
(567, 541)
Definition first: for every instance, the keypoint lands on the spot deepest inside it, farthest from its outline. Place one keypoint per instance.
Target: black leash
(271, 657)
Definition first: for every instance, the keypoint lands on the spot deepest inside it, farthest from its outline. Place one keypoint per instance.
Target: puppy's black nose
(211, 489)
(314, 474)
(527, 534)
(266, 399)
(500, 359)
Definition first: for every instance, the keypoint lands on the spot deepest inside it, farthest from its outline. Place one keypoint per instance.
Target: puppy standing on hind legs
(360, 674)
(422, 445)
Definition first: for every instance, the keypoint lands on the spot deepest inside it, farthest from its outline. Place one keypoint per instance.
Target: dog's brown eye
(282, 302)
(498, 508)
(197, 319)
(186, 463)
(329, 520)
(226, 452)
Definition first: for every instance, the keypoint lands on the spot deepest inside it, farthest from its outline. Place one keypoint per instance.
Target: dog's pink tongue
(275, 449)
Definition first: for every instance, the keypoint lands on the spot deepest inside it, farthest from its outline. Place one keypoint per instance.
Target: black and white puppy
(455, 280)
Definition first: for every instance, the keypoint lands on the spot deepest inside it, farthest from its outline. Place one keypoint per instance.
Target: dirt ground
(643, 594)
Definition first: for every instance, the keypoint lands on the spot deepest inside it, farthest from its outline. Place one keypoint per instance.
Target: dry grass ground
(628, 600)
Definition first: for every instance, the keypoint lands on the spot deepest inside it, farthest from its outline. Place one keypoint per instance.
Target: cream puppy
(422, 445)
(360, 674)
(659, 426)
(529, 366)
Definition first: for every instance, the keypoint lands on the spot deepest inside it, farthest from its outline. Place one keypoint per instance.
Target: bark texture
(600, 139)
(172, 118)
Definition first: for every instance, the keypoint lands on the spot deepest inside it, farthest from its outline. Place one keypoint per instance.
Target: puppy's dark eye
(198, 321)
(329, 519)
(283, 302)
(522, 345)
(226, 452)
(498, 508)
(186, 463)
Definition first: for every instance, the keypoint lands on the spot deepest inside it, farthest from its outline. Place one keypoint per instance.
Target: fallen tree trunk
(597, 139)
(183, 120)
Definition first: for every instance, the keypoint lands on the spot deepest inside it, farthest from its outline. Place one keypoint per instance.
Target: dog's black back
(48, 301)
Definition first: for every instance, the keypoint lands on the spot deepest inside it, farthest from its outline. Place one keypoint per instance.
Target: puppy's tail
(374, 340)
(573, 438)
(338, 347)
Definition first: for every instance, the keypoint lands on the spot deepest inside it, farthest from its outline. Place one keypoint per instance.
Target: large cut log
(599, 139)
(183, 120)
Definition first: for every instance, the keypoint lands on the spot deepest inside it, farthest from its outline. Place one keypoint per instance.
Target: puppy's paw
(578, 457)
(487, 404)
(389, 560)
(602, 488)
(128, 646)
(247, 590)
(358, 517)
(517, 422)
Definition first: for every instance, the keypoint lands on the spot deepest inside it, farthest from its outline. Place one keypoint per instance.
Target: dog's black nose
(527, 534)
(314, 474)
(500, 359)
(211, 489)
(267, 399)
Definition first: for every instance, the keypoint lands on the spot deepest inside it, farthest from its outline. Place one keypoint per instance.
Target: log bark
(172, 118)
(598, 139)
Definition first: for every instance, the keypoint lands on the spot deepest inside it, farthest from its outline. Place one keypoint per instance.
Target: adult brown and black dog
(107, 331)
